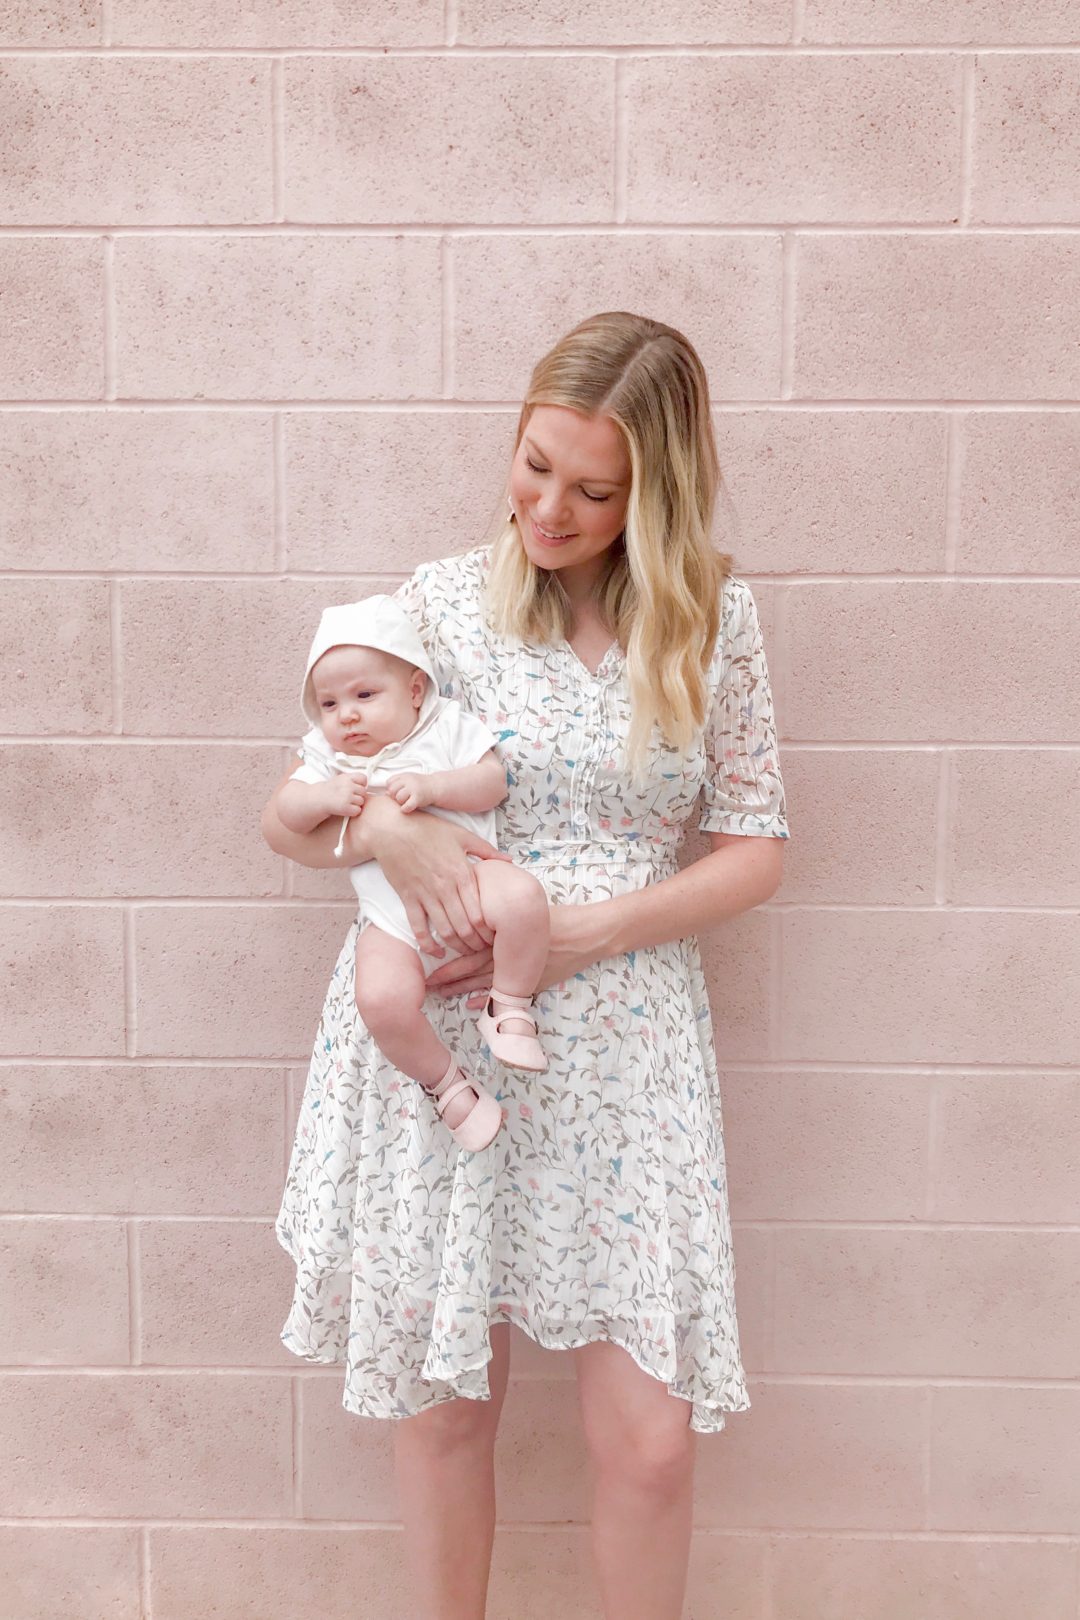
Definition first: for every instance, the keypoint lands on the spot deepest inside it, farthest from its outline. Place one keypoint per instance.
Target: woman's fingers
(471, 972)
(463, 935)
(422, 924)
(473, 844)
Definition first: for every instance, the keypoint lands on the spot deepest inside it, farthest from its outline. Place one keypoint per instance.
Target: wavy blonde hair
(661, 594)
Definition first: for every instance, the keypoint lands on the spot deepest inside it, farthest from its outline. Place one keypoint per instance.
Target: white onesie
(445, 738)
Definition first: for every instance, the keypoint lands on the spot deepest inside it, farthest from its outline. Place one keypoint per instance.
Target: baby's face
(366, 698)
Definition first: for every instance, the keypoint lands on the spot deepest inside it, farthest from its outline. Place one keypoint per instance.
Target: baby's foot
(459, 1107)
(473, 1116)
(509, 1025)
(512, 1034)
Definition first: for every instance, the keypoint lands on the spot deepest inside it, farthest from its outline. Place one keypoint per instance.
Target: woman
(603, 638)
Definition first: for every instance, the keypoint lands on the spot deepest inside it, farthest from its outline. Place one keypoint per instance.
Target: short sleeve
(315, 752)
(743, 790)
(466, 739)
(410, 595)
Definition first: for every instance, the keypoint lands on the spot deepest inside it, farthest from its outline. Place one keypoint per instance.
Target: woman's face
(569, 486)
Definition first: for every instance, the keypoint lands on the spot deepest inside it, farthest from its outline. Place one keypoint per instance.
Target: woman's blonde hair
(660, 595)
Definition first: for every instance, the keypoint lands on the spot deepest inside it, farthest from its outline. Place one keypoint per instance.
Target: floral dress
(600, 1210)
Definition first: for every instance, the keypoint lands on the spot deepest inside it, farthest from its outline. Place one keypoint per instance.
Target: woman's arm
(422, 856)
(741, 872)
(315, 848)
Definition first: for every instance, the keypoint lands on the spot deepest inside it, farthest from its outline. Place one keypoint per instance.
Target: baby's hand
(346, 794)
(411, 789)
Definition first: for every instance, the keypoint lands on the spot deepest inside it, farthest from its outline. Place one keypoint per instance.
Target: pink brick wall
(272, 275)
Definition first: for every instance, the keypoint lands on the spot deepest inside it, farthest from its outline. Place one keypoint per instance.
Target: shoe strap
(451, 1092)
(522, 1002)
(514, 1001)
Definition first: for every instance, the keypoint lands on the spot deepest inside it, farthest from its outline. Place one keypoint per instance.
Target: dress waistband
(589, 852)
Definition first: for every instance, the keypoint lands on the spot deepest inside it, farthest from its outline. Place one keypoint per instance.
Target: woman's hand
(575, 943)
(423, 858)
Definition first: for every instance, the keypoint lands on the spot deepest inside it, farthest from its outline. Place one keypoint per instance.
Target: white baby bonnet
(377, 621)
(382, 623)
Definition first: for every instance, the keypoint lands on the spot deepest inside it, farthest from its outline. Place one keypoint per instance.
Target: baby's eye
(327, 703)
(363, 694)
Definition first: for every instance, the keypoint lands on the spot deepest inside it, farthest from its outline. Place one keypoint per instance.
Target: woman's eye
(588, 497)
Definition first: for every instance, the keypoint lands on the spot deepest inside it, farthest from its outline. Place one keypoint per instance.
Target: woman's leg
(642, 1451)
(445, 1460)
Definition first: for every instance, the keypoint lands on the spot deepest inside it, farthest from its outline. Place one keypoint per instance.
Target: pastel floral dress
(600, 1210)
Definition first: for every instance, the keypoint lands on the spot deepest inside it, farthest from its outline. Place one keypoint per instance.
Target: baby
(381, 726)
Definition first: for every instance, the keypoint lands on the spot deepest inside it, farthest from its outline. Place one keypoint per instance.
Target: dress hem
(716, 1408)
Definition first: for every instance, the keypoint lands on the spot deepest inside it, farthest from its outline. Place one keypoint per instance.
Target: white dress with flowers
(600, 1210)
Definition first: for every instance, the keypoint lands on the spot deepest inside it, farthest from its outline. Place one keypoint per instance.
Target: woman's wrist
(367, 831)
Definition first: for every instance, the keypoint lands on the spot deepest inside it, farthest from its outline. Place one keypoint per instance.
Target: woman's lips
(546, 539)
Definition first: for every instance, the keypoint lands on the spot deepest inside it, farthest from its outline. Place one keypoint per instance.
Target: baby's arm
(301, 806)
(470, 787)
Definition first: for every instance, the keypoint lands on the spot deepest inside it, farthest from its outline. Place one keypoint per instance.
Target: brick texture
(273, 275)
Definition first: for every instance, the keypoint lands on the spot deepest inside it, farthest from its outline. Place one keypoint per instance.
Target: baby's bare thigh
(387, 970)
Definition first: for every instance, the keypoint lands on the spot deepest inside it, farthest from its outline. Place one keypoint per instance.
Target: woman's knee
(452, 1427)
(653, 1454)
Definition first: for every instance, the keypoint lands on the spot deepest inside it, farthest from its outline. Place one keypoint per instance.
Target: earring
(511, 515)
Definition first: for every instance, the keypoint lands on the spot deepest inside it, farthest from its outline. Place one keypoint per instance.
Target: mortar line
(967, 138)
(943, 831)
(286, 1094)
(450, 23)
(440, 404)
(788, 273)
(527, 230)
(955, 445)
(277, 137)
(901, 1225)
(106, 25)
(446, 268)
(798, 21)
(116, 691)
(238, 902)
(927, 1451)
(297, 1437)
(545, 1527)
(108, 277)
(327, 575)
(131, 1025)
(837, 1379)
(933, 1113)
(134, 1254)
(895, 1068)
(145, 1573)
(281, 559)
(620, 151)
(944, 47)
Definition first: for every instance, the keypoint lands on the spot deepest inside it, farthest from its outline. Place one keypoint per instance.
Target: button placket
(589, 756)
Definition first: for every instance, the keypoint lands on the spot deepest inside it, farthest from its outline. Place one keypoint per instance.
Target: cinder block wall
(272, 276)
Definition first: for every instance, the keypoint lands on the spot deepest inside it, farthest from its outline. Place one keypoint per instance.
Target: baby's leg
(516, 907)
(390, 992)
